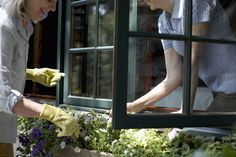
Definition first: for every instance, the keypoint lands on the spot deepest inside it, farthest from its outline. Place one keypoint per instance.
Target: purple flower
(37, 149)
(51, 127)
(36, 133)
(23, 139)
(47, 155)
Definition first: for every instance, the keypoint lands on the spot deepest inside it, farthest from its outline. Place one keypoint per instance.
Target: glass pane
(106, 22)
(218, 72)
(214, 20)
(144, 18)
(146, 74)
(83, 26)
(104, 78)
(81, 74)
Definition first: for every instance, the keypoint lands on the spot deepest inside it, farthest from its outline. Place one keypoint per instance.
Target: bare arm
(171, 82)
(27, 108)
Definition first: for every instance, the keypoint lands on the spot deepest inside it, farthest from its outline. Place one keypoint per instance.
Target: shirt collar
(25, 33)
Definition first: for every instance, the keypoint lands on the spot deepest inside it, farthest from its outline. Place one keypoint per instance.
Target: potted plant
(38, 138)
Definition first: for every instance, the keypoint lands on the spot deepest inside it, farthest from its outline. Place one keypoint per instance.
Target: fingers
(56, 78)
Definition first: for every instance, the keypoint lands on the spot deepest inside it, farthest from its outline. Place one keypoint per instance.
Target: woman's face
(37, 10)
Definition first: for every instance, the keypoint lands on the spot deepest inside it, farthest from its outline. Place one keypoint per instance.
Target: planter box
(70, 152)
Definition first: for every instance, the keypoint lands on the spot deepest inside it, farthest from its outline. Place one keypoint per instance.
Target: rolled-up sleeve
(203, 10)
(164, 27)
(8, 96)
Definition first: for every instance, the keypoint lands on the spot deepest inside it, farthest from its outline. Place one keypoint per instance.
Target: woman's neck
(168, 5)
(25, 22)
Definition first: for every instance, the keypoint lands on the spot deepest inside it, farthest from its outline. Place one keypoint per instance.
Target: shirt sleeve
(164, 27)
(203, 10)
(8, 96)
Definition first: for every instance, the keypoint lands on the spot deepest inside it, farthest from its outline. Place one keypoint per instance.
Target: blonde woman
(16, 17)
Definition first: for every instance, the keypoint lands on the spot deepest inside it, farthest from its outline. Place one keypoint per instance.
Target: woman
(16, 17)
(213, 63)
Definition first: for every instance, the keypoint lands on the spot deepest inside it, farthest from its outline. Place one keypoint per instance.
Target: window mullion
(187, 59)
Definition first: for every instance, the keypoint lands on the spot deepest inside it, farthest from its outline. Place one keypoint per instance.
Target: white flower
(77, 149)
(126, 152)
(62, 145)
(87, 138)
(113, 142)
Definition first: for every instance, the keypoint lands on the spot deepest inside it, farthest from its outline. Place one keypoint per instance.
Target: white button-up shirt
(13, 61)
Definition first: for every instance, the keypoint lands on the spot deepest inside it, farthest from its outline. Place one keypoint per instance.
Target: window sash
(119, 116)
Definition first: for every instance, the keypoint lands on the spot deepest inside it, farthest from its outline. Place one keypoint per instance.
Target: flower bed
(38, 138)
(80, 152)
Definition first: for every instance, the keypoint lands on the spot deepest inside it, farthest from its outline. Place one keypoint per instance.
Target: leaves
(39, 138)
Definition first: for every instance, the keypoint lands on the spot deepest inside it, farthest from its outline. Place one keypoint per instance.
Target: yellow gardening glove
(67, 124)
(45, 76)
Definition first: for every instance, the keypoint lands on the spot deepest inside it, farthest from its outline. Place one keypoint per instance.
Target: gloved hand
(67, 124)
(45, 76)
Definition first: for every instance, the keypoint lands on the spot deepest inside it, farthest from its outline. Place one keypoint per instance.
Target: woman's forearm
(27, 108)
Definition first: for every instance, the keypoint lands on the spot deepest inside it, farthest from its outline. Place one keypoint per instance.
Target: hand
(45, 76)
(130, 109)
(67, 124)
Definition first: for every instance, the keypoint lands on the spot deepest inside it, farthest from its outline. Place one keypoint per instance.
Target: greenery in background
(38, 138)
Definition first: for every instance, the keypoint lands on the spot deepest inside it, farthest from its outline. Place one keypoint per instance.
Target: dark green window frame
(64, 51)
(123, 120)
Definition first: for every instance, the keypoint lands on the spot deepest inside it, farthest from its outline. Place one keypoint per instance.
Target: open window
(112, 54)
(139, 58)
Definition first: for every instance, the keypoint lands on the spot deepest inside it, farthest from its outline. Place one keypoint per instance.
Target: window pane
(219, 19)
(83, 26)
(218, 71)
(146, 69)
(81, 74)
(143, 19)
(106, 22)
(104, 78)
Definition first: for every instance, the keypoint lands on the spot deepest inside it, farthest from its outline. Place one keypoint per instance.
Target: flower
(63, 145)
(38, 138)
(36, 133)
(23, 139)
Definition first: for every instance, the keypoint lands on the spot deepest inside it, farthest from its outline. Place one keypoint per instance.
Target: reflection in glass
(83, 28)
(106, 22)
(81, 74)
(104, 75)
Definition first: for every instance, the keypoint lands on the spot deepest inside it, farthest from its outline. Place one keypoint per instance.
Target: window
(139, 66)
(94, 79)
(89, 27)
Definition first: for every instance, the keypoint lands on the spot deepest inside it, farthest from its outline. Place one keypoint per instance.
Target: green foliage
(38, 138)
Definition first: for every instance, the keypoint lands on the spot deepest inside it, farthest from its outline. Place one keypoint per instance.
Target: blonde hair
(14, 7)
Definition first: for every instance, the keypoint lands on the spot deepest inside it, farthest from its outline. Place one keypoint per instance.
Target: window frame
(121, 120)
(86, 103)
